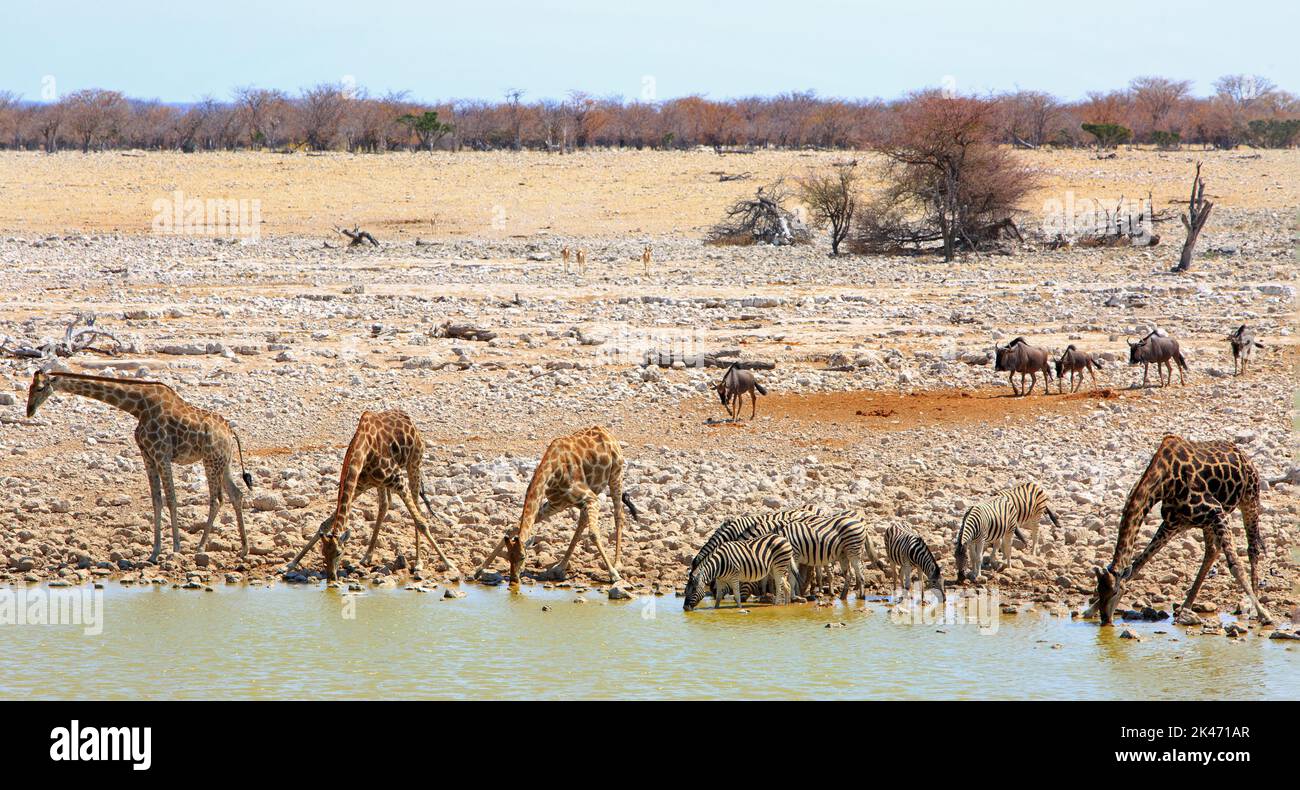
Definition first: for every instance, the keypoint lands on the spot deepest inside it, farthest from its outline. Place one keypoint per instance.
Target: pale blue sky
(177, 50)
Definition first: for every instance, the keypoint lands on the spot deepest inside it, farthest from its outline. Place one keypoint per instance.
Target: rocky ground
(882, 397)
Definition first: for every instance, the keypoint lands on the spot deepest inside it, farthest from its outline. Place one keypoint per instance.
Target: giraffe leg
(155, 494)
(496, 552)
(380, 513)
(408, 495)
(620, 518)
(1211, 554)
(237, 502)
(216, 476)
(169, 489)
(325, 525)
(1254, 540)
(590, 514)
(557, 571)
(1224, 534)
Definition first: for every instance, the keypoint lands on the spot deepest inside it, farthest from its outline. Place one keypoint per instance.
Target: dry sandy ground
(291, 340)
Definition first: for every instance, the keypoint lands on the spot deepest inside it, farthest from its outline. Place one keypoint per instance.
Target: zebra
(744, 528)
(905, 550)
(737, 561)
(994, 521)
(818, 542)
(829, 537)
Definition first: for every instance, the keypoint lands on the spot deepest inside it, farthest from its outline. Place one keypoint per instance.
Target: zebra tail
(1055, 521)
(1020, 536)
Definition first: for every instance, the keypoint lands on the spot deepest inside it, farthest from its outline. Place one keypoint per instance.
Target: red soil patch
(891, 411)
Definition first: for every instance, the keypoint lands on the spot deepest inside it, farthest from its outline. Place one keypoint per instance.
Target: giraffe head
(331, 549)
(42, 387)
(515, 551)
(1110, 584)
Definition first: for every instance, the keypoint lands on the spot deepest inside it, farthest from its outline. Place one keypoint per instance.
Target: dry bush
(831, 197)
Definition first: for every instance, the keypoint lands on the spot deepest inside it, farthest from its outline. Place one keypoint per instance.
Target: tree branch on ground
(761, 218)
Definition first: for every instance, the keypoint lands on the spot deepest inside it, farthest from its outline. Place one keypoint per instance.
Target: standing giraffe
(564, 256)
(171, 431)
(385, 454)
(1198, 484)
(582, 261)
(572, 472)
(645, 259)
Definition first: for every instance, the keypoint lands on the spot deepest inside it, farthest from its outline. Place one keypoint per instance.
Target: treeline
(1244, 110)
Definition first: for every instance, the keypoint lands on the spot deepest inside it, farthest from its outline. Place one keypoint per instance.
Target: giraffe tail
(243, 472)
(631, 508)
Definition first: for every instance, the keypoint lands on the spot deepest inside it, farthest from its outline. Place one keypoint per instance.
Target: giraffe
(572, 472)
(564, 256)
(645, 259)
(385, 454)
(582, 261)
(1198, 484)
(170, 432)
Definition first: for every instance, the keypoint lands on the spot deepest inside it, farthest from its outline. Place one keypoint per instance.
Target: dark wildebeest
(1020, 357)
(1075, 362)
(1158, 348)
(735, 383)
(1243, 342)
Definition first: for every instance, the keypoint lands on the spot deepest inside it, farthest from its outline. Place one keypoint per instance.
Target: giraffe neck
(1140, 500)
(130, 396)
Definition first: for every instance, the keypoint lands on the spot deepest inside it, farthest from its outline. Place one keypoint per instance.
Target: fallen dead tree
(357, 236)
(464, 332)
(78, 336)
(668, 359)
(760, 219)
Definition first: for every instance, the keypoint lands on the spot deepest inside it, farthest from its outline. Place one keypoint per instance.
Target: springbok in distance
(1075, 362)
(731, 390)
(1020, 357)
(564, 256)
(582, 261)
(1159, 348)
(1243, 342)
(645, 259)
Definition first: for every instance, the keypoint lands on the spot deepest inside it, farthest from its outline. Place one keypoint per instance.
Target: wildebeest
(1159, 348)
(1243, 342)
(1075, 362)
(1020, 357)
(735, 383)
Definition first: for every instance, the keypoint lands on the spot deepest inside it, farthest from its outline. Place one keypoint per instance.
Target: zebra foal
(906, 550)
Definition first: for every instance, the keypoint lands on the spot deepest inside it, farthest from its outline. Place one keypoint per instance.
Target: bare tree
(94, 116)
(831, 198)
(320, 114)
(944, 165)
(1198, 211)
(1155, 99)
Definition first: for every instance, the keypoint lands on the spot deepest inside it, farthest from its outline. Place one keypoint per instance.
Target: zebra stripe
(906, 550)
(744, 528)
(737, 561)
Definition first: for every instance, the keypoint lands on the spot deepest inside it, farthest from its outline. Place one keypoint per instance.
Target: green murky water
(306, 643)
